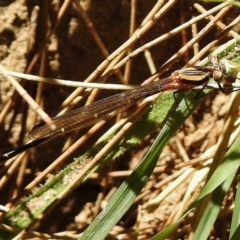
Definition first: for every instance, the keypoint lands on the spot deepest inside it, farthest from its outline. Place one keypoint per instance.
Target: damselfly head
(222, 67)
(217, 74)
(218, 67)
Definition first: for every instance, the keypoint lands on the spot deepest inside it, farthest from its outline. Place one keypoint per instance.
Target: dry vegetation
(61, 39)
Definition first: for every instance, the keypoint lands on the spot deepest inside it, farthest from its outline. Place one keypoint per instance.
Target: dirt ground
(70, 52)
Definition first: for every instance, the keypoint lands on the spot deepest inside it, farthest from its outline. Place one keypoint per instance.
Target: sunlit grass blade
(228, 167)
(219, 184)
(219, 189)
(235, 224)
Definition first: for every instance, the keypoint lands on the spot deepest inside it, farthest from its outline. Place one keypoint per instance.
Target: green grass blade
(228, 167)
(212, 210)
(236, 215)
(214, 205)
(236, 234)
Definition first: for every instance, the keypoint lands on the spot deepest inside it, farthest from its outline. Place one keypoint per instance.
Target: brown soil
(71, 53)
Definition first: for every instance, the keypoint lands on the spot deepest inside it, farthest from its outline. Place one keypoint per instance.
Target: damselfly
(105, 109)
